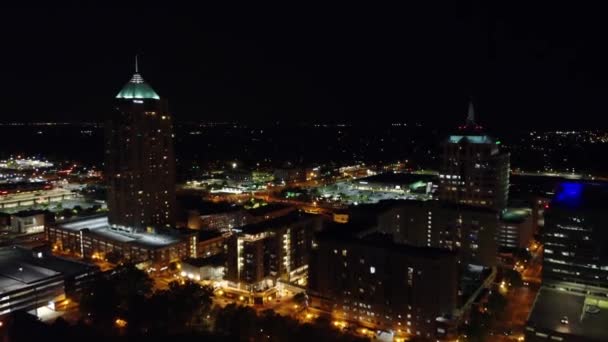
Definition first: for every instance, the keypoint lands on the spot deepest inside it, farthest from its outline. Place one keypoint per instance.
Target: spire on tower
(471, 114)
(136, 68)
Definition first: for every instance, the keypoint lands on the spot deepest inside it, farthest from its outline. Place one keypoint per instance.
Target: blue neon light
(569, 193)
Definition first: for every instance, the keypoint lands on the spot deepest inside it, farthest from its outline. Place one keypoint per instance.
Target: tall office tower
(572, 301)
(140, 163)
(474, 171)
(576, 239)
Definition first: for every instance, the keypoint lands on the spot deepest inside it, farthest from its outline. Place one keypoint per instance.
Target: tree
(120, 294)
(300, 298)
(190, 304)
(114, 257)
(132, 281)
(99, 302)
(496, 302)
(513, 278)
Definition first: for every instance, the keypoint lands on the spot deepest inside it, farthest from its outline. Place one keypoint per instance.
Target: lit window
(372, 269)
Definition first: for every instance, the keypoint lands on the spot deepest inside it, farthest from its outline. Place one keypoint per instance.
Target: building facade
(263, 253)
(571, 304)
(471, 231)
(140, 162)
(92, 238)
(30, 280)
(575, 239)
(474, 171)
(28, 222)
(377, 283)
(515, 229)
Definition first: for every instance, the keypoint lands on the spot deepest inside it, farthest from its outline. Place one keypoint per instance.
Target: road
(519, 302)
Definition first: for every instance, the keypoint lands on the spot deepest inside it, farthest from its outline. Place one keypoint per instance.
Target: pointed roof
(471, 132)
(137, 88)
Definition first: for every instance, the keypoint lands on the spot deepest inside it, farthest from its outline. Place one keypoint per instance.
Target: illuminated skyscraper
(570, 305)
(140, 162)
(474, 171)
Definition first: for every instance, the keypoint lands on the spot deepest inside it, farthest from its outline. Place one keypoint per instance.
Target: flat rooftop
(275, 223)
(100, 226)
(586, 317)
(515, 215)
(214, 260)
(21, 267)
(268, 208)
(398, 178)
(347, 233)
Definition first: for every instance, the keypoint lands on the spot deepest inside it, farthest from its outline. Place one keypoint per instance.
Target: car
(564, 320)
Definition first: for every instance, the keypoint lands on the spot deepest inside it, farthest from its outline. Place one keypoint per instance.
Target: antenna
(471, 114)
(136, 68)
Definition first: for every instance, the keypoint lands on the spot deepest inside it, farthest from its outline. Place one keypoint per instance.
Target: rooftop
(585, 317)
(203, 234)
(381, 241)
(268, 208)
(190, 202)
(275, 223)
(515, 215)
(214, 260)
(137, 88)
(21, 267)
(473, 139)
(27, 213)
(398, 178)
(100, 226)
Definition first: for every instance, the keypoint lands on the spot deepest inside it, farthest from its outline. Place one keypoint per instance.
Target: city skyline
(286, 175)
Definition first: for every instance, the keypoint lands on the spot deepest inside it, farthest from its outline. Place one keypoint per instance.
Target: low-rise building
(210, 243)
(267, 212)
(92, 238)
(31, 279)
(207, 268)
(288, 175)
(515, 228)
(28, 222)
(568, 317)
(225, 217)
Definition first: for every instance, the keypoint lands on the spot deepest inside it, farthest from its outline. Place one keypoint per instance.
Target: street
(519, 302)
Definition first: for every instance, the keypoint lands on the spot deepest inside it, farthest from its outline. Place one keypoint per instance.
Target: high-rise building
(576, 240)
(262, 253)
(140, 163)
(571, 304)
(469, 230)
(473, 170)
(384, 285)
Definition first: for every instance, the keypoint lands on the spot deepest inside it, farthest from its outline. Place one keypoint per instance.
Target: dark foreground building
(35, 281)
(375, 282)
(572, 304)
(140, 162)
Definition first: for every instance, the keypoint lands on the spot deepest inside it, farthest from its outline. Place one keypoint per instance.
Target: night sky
(526, 67)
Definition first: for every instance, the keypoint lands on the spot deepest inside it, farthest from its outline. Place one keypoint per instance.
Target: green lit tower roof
(137, 88)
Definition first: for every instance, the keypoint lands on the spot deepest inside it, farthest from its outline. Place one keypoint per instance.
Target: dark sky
(539, 66)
